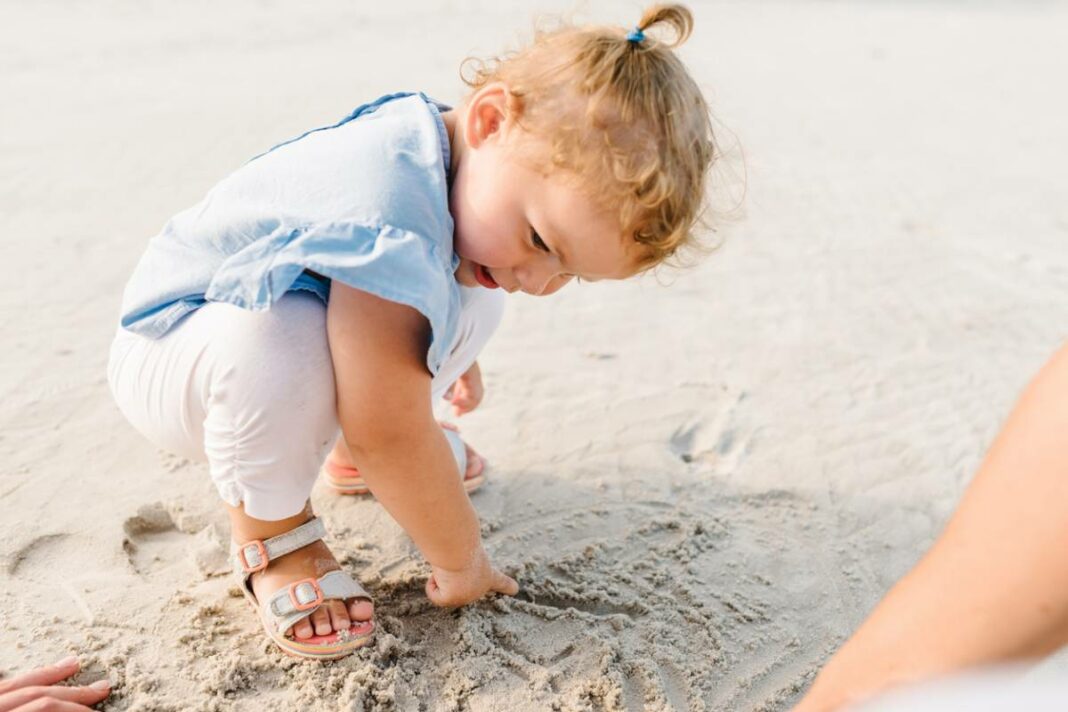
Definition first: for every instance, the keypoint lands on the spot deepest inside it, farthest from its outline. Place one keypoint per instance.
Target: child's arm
(994, 587)
(383, 401)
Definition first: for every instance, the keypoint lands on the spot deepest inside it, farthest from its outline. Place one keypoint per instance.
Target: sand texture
(702, 481)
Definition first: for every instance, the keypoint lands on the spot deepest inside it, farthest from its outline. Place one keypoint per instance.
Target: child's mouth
(483, 277)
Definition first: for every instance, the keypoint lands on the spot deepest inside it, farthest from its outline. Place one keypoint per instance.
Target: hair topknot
(678, 17)
(622, 115)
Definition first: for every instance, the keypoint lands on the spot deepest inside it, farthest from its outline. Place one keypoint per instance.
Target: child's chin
(465, 273)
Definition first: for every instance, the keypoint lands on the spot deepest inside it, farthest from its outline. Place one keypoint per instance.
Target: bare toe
(361, 610)
(320, 620)
(339, 617)
(474, 463)
(302, 629)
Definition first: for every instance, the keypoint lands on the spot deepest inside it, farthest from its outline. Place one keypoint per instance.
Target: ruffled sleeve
(389, 262)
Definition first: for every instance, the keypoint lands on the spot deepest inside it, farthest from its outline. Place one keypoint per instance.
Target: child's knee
(271, 414)
(482, 313)
(480, 317)
(277, 361)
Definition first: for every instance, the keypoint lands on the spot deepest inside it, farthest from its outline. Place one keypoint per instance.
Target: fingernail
(68, 661)
(101, 684)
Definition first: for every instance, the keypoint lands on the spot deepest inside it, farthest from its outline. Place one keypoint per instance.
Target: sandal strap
(300, 599)
(255, 555)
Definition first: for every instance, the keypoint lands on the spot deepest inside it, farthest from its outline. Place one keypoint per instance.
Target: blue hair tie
(636, 35)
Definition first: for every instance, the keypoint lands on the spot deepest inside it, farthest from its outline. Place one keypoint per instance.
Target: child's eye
(536, 240)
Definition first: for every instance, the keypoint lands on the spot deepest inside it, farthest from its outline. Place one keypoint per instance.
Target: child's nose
(541, 278)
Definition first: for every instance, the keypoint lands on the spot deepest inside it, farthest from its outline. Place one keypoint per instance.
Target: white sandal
(295, 602)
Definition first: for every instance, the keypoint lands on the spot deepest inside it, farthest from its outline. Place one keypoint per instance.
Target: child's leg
(252, 393)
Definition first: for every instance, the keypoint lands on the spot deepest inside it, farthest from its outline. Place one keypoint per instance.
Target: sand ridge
(638, 605)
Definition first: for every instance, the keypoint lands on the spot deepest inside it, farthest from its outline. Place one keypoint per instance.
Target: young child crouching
(348, 278)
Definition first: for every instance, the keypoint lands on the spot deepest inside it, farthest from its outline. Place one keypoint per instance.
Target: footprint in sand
(158, 537)
(40, 549)
(718, 441)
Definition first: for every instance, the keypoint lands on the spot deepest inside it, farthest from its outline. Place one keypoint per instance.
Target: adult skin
(38, 690)
(994, 587)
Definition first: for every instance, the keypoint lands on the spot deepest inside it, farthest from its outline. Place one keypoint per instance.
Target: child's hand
(455, 588)
(466, 393)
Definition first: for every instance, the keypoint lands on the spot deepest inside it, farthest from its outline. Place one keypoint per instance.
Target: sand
(703, 481)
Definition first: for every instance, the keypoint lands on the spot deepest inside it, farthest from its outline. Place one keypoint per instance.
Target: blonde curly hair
(626, 95)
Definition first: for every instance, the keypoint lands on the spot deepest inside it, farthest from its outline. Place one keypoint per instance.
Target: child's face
(515, 227)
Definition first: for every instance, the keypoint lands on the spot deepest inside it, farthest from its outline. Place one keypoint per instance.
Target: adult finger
(49, 705)
(48, 675)
(87, 695)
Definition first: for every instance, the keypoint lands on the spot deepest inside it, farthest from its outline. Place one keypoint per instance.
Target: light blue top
(364, 201)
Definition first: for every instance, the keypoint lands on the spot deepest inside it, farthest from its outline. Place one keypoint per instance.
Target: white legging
(252, 393)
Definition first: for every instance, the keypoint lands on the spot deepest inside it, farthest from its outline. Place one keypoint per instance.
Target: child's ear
(486, 114)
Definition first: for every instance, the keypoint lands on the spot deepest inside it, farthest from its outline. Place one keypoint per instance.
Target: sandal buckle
(258, 554)
(299, 592)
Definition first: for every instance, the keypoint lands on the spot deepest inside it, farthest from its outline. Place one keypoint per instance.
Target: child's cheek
(490, 250)
(481, 240)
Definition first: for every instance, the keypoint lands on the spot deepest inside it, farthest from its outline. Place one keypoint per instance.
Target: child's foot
(343, 477)
(299, 561)
(339, 459)
(312, 561)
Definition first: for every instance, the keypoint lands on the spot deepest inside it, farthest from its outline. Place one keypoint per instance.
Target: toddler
(348, 278)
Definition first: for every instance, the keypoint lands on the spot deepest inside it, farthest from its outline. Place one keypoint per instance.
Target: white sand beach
(703, 480)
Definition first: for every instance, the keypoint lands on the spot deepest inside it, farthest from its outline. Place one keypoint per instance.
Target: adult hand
(37, 691)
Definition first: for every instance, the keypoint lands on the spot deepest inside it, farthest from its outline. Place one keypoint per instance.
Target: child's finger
(465, 403)
(439, 598)
(48, 675)
(433, 591)
(503, 583)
